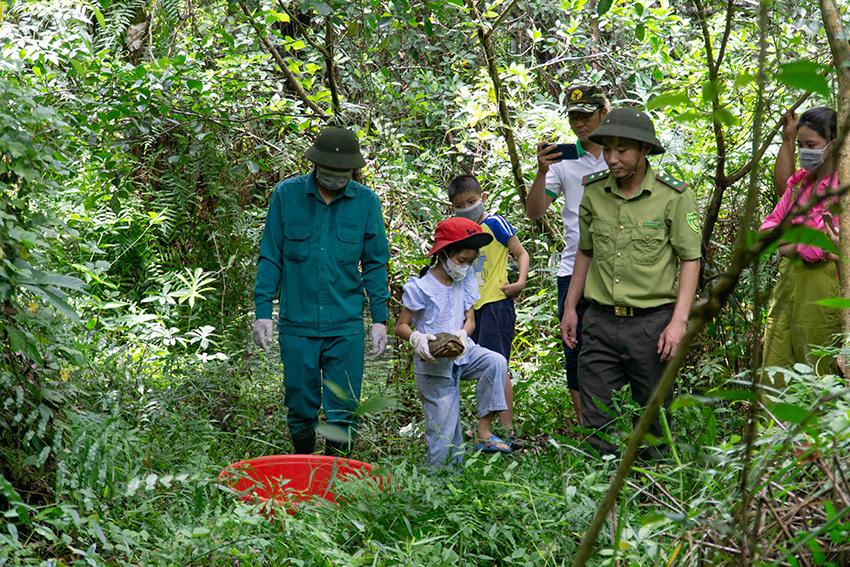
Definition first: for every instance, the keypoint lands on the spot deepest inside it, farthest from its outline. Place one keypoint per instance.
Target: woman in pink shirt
(795, 323)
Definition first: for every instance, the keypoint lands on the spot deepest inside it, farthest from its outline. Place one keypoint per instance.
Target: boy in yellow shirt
(494, 311)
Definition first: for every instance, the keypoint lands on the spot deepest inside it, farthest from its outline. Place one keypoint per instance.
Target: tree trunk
(505, 118)
(841, 58)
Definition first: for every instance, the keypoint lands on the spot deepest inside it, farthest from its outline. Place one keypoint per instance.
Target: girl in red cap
(441, 300)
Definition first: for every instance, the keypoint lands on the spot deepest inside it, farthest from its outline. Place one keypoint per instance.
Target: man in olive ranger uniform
(323, 245)
(637, 264)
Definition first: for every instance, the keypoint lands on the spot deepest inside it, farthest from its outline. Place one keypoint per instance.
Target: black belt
(626, 311)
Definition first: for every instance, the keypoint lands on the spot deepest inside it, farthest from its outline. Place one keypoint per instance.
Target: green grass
(137, 482)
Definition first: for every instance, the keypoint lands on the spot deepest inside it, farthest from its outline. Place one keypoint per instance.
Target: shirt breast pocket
(349, 243)
(602, 235)
(296, 245)
(648, 245)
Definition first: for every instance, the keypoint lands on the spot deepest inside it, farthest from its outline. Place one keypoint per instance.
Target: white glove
(263, 333)
(379, 339)
(461, 334)
(420, 344)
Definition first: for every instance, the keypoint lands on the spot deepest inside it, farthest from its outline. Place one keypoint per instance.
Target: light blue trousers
(441, 400)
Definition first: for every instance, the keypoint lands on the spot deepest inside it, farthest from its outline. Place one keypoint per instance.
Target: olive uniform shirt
(637, 242)
(318, 259)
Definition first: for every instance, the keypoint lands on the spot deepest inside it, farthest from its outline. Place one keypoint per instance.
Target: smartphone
(568, 151)
(827, 219)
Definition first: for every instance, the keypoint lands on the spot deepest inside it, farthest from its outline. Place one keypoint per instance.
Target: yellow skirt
(795, 323)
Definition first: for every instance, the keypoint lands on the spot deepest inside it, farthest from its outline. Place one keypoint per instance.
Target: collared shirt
(564, 178)
(318, 259)
(637, 242)
(799, 191)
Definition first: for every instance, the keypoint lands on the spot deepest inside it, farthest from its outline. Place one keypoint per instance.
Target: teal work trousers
(324, 372)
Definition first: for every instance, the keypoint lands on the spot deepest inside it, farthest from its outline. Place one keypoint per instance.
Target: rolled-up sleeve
(376, 255)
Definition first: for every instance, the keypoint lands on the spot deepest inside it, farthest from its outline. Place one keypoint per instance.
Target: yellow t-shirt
(491, 266)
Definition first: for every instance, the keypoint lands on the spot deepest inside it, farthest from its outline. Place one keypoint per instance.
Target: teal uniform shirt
(318, 259)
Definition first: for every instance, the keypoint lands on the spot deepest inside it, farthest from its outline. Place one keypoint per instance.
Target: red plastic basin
(290, 479)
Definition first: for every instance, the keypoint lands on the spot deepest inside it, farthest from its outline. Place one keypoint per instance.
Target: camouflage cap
(586, 98)
(628, 123)
(337, 148)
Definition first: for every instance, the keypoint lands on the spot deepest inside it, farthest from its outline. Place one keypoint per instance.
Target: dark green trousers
(618, 351)
(324, 372)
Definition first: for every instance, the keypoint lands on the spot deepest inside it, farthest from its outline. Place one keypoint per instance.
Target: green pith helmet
(628, 123)
(337, 148)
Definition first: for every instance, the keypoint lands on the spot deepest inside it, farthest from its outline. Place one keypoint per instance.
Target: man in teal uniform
(323, 245)
(637, 264)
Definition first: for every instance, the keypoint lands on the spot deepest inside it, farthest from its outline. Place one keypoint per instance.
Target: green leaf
(710, 91)
(789, 412)
(734, 395)
(53, 297)
(374, 405)
(804, 75)
(200, 532)
(274, 16)
(725, 117)
(668, 99)
(835, 302)
(332, 432)
(603, 6)
(802, 234)
(17, 340)
(98, 15)
(640, 31)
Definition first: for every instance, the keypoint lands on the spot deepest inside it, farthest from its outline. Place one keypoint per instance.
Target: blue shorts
(494, 326)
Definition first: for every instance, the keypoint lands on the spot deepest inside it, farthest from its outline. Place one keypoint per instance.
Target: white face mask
(812, 158)
(455, 271)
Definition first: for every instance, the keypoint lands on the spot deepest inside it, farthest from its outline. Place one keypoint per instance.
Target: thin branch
(293, 81)
(837, 36)
(504, 115)
(750, 431)
(330, 64)
(500, 18)
(713, 210)
(730, 9)
(741, 173)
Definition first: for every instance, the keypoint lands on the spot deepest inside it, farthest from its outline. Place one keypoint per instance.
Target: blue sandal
(492, 445)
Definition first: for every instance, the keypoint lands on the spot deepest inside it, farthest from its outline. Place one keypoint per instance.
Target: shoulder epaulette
(587, 179)
(671, 182)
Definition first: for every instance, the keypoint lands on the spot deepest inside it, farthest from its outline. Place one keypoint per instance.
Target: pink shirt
(797, 184)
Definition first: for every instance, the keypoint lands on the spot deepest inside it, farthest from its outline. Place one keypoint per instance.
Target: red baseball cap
(459, 230)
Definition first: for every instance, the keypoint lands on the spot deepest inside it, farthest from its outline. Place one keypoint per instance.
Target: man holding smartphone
(561, 175)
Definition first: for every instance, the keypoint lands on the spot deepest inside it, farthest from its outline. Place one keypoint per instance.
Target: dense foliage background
(139, 143)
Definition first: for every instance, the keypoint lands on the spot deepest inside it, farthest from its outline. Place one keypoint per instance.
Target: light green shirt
(637, 242)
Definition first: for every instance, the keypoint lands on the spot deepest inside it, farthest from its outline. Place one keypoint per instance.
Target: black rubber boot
(337, 448)
(305, 445)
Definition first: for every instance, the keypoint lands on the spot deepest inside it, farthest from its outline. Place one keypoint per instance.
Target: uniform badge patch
(576, 95)
(652, 224)
(693, 221)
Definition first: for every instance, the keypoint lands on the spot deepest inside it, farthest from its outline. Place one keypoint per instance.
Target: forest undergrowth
(139, 144)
